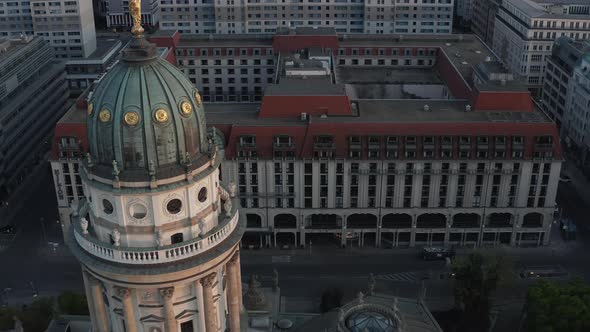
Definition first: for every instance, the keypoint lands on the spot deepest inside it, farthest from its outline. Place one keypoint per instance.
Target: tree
(36, 317)
(476, 278)
(72, 303)
(331, 298)
(552, 307)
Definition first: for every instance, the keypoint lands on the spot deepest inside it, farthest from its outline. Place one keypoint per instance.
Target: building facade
(464, 10)
(525, 31)
(268, 17)
(33, 95)
(565, 56)
(118, 15)
(578, 106)
(68, 25)
(483, 18)
(15, 18)
(158, 233)
(300, 176)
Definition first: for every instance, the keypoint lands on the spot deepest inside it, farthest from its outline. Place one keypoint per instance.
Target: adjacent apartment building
(526, 29)
(382, 141)
(483, 18)
(68, 25)
(566, 96)
(344, 16)
(33, 94)
(117, 11)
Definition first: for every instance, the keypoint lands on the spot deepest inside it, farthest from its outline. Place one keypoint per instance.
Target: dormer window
(517, 140)
(410, 139)
(465, 140)
(283, 141)
(354, 140)
(248, 141)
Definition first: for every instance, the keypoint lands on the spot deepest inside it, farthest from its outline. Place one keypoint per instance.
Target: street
(303, 274)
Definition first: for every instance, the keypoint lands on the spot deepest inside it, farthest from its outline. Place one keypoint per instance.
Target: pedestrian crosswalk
(405, 276)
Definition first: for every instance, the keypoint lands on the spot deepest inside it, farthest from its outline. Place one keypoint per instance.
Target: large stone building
(387, 141)
(267, 17)
(526, 29)
(68, 25)
(158, 234)
(33, 94)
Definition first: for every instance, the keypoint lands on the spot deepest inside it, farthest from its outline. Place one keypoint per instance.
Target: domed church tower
(158, 237)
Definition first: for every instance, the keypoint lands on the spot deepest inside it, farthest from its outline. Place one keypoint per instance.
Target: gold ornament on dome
(198, 98)
(135, 11)
(105, 115)
(90, 108)
(186, 108)
(161, 115)
(132, 118)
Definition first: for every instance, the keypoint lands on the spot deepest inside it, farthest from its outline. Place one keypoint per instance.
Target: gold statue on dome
(135, 9)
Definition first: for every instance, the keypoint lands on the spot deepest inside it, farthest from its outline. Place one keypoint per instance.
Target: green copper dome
(147, 117)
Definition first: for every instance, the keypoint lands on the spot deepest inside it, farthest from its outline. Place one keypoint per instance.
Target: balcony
(543, 147)
(283, 145)
(155, 255)
(324, 145)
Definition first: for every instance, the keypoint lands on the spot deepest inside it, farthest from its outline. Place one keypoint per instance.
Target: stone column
(209, 305)
(89, 297)
(234, 293)
(167, 295)
(128, 309)
(101, 316)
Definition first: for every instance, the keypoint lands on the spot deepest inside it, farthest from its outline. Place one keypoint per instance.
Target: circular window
(174, 206)
(138, 211)
(107, 207)
(202, 196)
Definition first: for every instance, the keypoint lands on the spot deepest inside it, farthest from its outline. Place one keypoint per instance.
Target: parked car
(435, 253)
(565, 179)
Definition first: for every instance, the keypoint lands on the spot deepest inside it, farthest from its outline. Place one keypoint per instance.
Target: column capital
(92, 280)
(234, 258)
(122, 292)
(167, 292)
(208, 280)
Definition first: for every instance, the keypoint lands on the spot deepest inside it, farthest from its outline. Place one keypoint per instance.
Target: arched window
(176, 238)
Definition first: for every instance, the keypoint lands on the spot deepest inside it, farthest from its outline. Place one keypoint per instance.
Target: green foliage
(6, 318)
(37, 316)
(72, 303)
(476, 277)
(553, 307)
(331, 298)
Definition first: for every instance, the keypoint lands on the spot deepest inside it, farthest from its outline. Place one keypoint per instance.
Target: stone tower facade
(158, 236)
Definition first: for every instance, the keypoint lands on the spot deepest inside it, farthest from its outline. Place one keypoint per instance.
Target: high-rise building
(354, 16)
(526, 29)
(464, 10)
(15, 18)
(483, 18)
(158, 234)
(565, 56)
(577, 122)
(68, 25)
(33, 94)
(118, 15)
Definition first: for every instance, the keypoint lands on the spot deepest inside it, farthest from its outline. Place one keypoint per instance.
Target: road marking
(281, 259)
